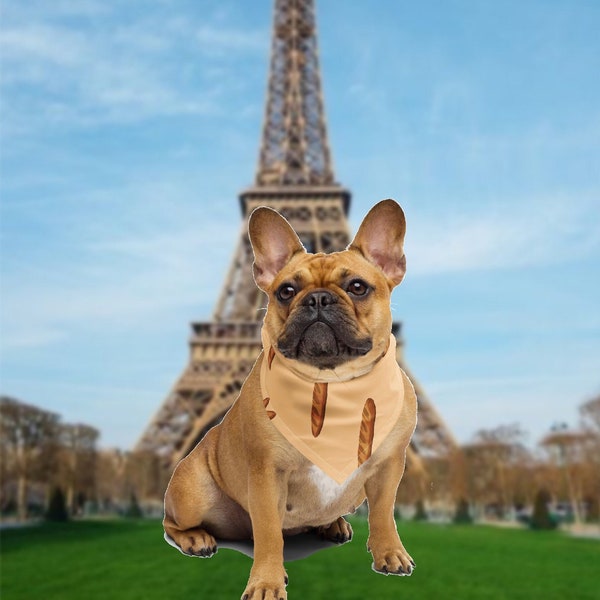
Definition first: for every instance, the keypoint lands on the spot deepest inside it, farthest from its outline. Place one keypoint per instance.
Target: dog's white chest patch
(329, 489)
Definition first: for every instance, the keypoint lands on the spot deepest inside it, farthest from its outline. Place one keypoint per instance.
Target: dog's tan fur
(244, 480)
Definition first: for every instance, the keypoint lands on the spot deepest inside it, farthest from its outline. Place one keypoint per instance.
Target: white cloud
(539, 232)
(219, 40)
(161, 65)
(122, 282)
(109, 265)
(26, 45)
(30, 337)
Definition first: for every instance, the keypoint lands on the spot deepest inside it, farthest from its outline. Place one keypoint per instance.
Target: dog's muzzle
(321, 334)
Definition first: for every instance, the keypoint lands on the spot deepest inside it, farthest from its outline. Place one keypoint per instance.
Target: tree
(590, 455)
(493, 463)
(413, 483)
(78, 454)
(459, 476)
(590, 415)
(566, 448)
(29, 436)
(145, 474)
(110, 481)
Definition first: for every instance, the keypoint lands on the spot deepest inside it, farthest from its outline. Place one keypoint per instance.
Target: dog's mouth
(320, 346)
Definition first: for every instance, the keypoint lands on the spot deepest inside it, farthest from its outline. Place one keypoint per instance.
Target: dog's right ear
(274, 242)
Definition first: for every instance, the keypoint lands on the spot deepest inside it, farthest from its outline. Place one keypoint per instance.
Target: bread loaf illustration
(367, 431)
(271, 355)
(270, 413)
(319, 404)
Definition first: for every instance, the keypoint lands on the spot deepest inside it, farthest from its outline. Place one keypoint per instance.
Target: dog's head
(330, 313)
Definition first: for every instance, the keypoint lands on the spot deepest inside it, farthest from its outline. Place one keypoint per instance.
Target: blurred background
(128, 131)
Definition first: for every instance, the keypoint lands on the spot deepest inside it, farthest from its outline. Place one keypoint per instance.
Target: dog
(326, 330)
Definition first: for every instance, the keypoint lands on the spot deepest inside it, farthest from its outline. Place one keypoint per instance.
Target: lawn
(128, 560)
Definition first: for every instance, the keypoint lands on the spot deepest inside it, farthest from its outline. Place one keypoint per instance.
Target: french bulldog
(328, 323)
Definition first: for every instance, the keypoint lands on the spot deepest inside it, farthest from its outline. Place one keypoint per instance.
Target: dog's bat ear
(380, 239)
(274, 242)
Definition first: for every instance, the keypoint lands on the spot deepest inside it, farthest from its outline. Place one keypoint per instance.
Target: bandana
(339, 425)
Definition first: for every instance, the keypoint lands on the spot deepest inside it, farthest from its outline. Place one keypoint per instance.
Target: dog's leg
(389, 555)
(340, 531)
(267, 490)
(187, 500)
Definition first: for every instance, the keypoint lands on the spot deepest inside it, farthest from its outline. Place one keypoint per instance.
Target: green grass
(128, 560)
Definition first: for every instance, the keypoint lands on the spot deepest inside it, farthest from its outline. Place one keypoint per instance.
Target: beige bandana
(337, 426)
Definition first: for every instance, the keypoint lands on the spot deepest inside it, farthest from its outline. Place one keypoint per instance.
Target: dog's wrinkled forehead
(325, 270)
(320, 270)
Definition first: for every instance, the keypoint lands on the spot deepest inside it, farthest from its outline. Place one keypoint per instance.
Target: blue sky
(128, 129)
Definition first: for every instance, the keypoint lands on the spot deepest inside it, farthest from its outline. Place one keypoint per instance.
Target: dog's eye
(357, 287)
(286, 292)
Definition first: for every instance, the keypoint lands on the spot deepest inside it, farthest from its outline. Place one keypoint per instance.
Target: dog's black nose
(319, 298)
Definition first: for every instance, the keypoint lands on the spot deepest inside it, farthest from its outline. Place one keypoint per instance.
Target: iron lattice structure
(294, 176)
(294, 146)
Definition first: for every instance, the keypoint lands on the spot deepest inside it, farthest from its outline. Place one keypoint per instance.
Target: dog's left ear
(380, 239)
(274, 243)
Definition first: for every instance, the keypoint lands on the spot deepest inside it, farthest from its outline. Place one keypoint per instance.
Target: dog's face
(329, 314)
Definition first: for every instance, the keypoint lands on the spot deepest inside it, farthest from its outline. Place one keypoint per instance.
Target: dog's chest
(327, 491)
(314, 498)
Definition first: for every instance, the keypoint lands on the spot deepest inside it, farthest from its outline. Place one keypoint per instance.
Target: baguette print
(367, 431)
(317, 414)
(270, 413)
(271, 356)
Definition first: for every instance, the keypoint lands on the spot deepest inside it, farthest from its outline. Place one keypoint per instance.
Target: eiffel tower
(294, 176)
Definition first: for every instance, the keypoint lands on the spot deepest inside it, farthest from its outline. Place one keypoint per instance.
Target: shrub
(541, 517)
(420, 512)
(57, 507)
(592, 514)
(133, 511)
(462, 515)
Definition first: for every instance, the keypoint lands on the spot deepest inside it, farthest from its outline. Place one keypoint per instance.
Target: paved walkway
(584, 530)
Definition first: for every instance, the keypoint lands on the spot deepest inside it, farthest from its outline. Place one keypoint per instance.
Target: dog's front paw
(392, 561)
(194, 542)
(340, 531)
(271, 588)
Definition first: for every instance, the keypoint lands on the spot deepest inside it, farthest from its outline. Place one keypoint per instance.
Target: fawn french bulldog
(323, 419)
